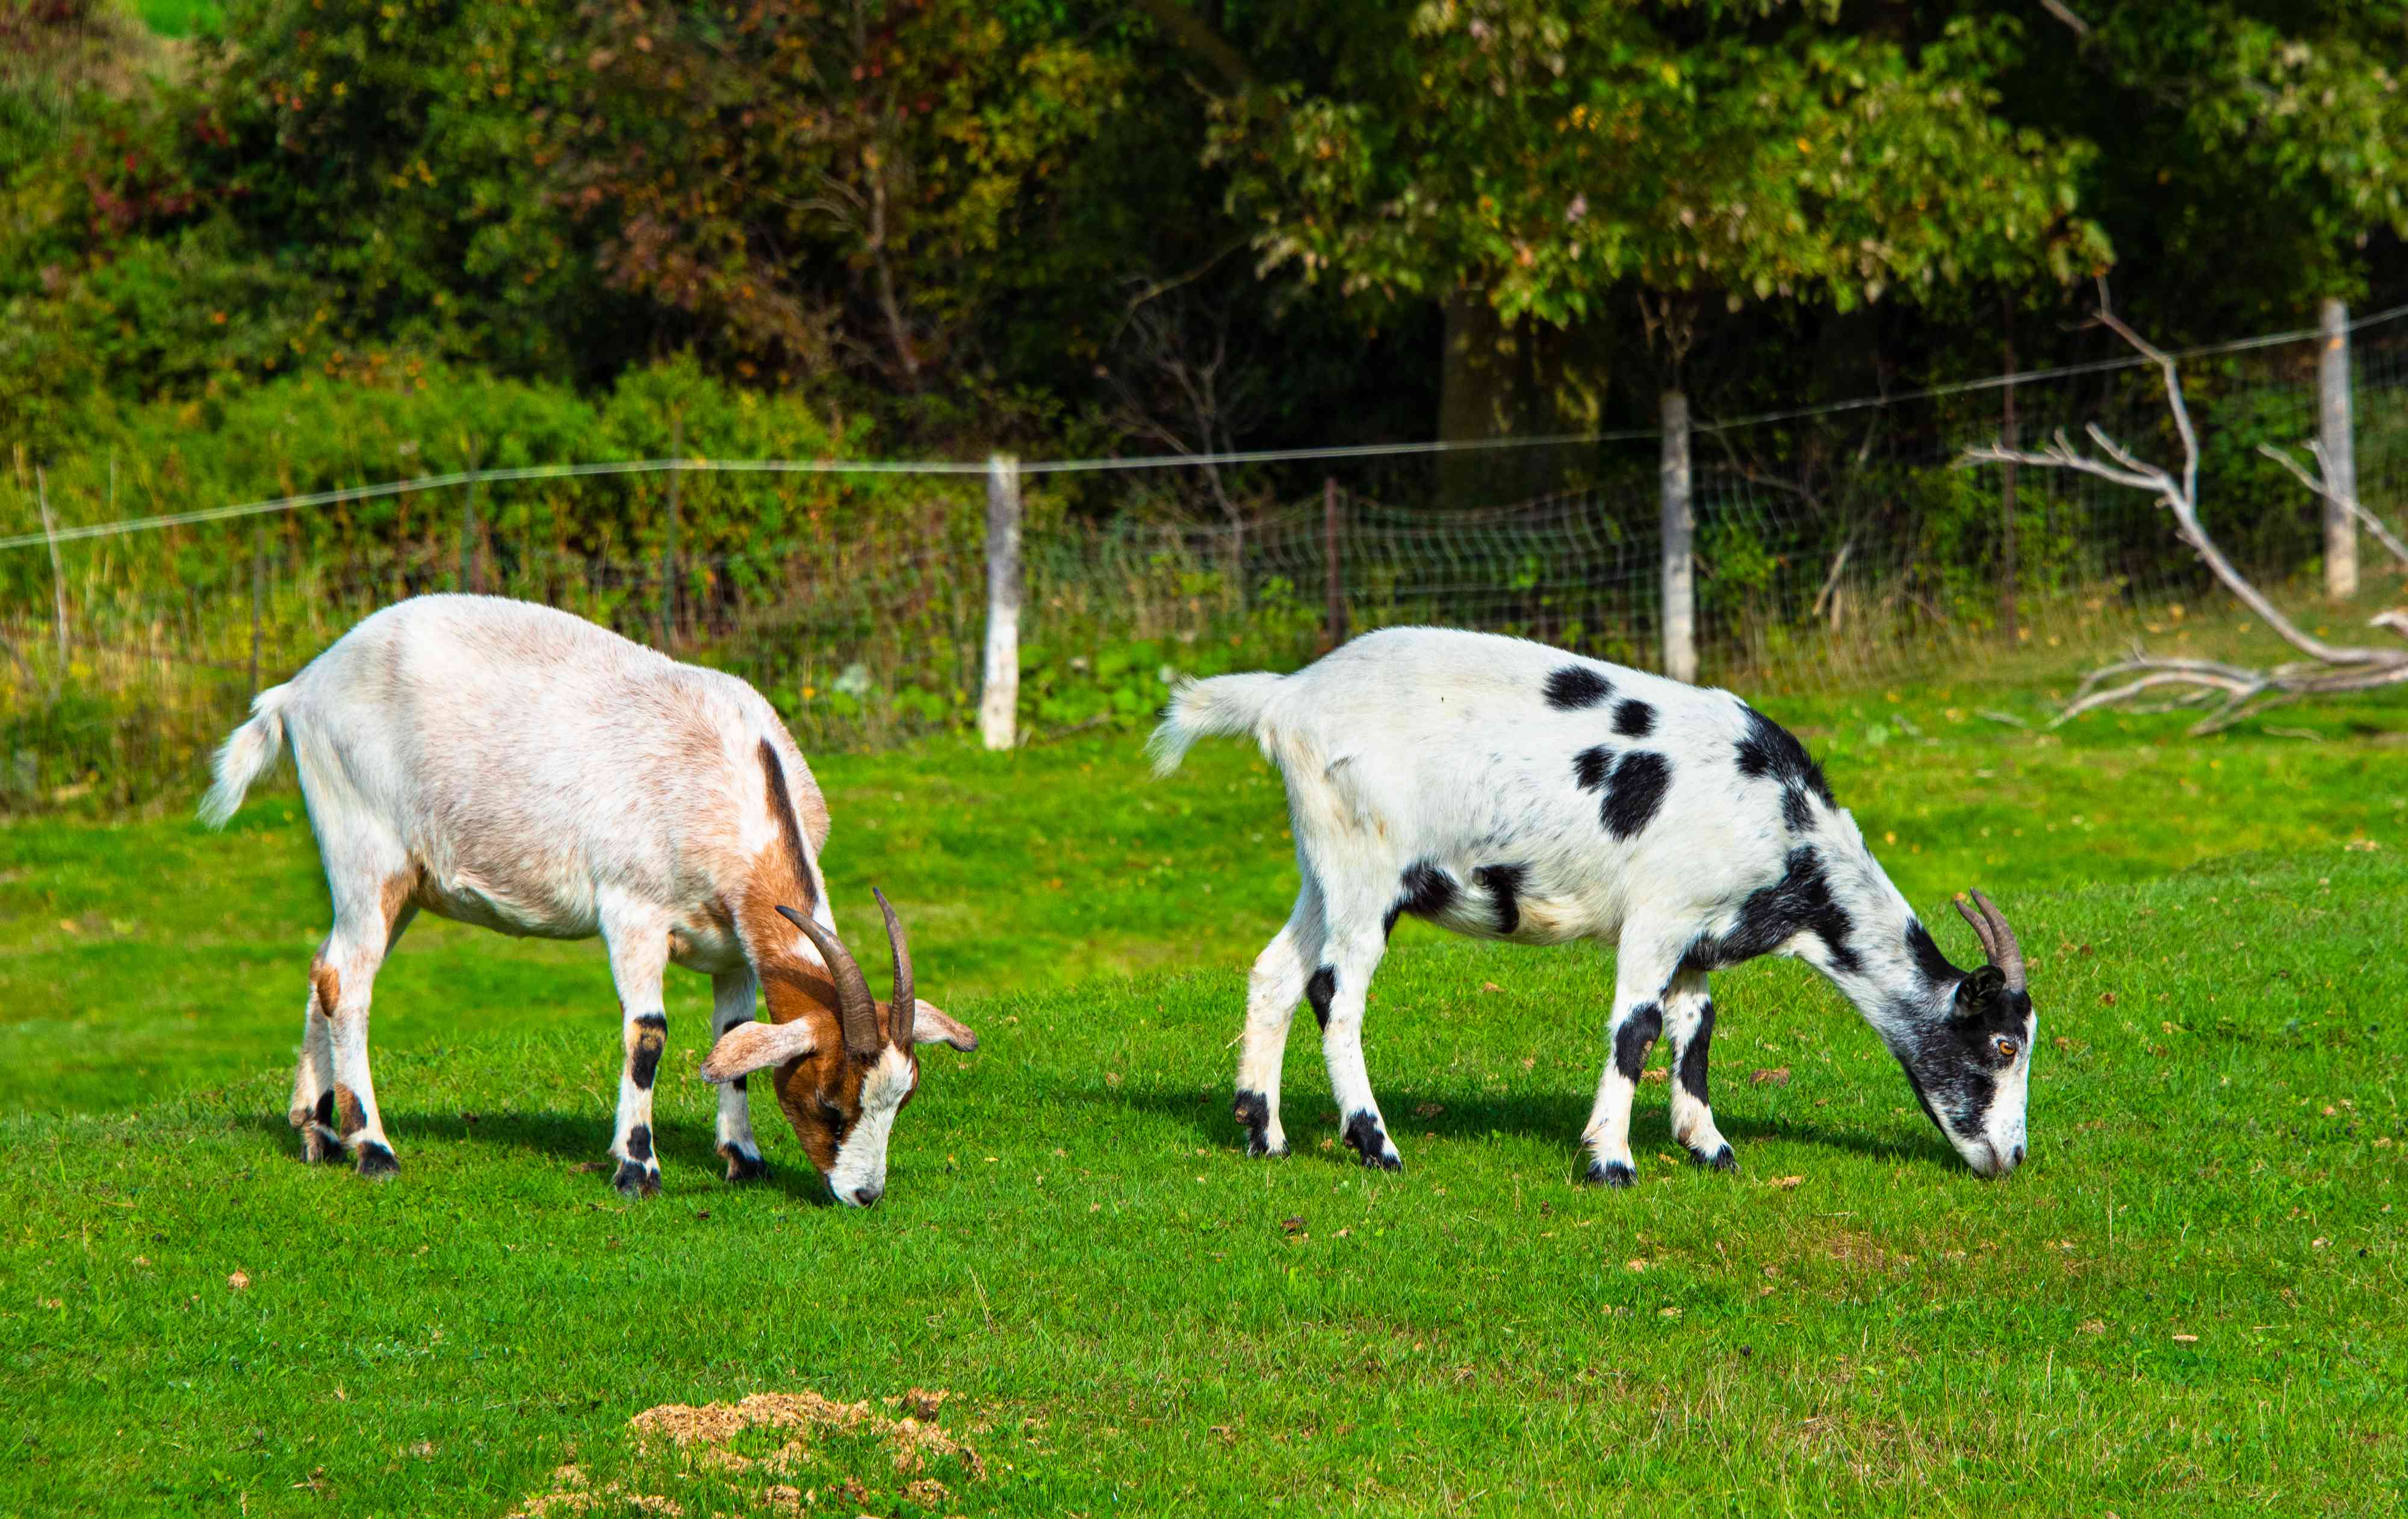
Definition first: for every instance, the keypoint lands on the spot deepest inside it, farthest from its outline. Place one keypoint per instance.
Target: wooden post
(999, 700)
(1680, 536)
(670, 549)
(2340, 457)
(2008, 544)
(1333, 574)
(258, 573)
(57, 575)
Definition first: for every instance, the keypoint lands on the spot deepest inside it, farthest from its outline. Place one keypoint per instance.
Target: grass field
(2187, 1300)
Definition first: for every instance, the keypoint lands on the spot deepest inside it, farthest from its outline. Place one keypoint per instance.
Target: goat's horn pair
(856, 1010)
(1998, 939)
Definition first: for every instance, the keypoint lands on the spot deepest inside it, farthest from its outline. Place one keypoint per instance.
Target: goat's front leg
(1278, 981)
(732, 1001)
(1689, 1024)
(1642, 971)
(638, 942)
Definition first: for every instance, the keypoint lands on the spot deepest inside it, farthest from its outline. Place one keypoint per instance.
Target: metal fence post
(1333, 574)
(1000, 698)
(1679, 534)
(2340, 457)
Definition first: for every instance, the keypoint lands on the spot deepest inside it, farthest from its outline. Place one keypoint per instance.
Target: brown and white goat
(513, 767)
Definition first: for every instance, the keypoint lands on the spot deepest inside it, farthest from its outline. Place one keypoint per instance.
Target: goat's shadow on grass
(687, 1151)
(1462, 1115)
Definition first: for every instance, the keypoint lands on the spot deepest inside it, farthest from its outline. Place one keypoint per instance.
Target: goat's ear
(756, 1046)
(1976, 992)
(930, 1026)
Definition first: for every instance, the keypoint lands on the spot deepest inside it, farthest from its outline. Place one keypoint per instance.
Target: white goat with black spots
(509, 765)
(1506, 790)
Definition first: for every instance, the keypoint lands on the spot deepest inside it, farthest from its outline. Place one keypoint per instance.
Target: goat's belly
(521, 914)
(1482, 914)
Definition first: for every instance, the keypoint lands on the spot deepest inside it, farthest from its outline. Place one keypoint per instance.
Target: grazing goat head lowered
(516, 768)
(1505, 790)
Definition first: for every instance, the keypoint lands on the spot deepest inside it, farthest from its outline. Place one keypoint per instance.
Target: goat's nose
(2014, 1158)
(864, 1196)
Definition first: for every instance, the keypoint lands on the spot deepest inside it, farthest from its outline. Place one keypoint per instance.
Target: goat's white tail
(1225, 704)
(249, 752)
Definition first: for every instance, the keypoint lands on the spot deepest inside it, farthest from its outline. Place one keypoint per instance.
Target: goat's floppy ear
(756, 1046)
(930, 1026)
(1975, 993)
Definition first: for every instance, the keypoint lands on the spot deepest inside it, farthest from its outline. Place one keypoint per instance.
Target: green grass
(1130, 1315)
(181, 19)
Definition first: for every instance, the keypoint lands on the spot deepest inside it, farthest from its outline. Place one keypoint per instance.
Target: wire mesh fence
(1834, 547)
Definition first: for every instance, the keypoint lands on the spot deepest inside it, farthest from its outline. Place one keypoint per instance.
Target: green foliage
(1547, 154)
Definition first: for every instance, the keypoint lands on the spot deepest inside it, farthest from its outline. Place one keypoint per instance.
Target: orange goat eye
(2007, 1048)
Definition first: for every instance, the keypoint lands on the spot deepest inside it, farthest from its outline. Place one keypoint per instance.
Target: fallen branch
(2347, 501)
(2328, 669)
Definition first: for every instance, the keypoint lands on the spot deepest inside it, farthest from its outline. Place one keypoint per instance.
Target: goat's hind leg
(1689, 1024)
(1278, 981)
(638, 942)
(1338, 989)
(312, 1111)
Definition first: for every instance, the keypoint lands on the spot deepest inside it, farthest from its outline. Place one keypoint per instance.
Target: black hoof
(1253, 1111)
(377, 1163)
(1363, 1132)
(635, 1180)
(1616, 1174)
(1721, 1160)
(744, 1167)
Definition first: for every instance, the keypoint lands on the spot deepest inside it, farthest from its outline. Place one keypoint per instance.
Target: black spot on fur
(738, 1083)
(375, 1161)
(1575, 686)
(1767, 748)
(324, 1111)
(1634, 719)
(1797, 814)
(1426, 892)
(639, 1142)
(1253, 1111)
(1590, 764)
(644, 1060)
(636, 1180)
(1640, 783)
(1692, 1071)
(1319, 990)
(1616, 1174)
(1632, 1037)
(1924, 952)
(1799, 902)
(789, 826)
(743, 1167)
(1504, 883)
(1363, 1133)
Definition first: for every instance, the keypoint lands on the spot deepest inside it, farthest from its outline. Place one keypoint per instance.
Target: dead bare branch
(2327, 668)
(2348, 502)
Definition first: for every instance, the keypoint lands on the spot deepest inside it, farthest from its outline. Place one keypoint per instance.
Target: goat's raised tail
(249, 752)
(1225, 704)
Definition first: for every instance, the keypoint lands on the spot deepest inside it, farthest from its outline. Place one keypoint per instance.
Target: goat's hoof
(1253, 1111)
(1370, 1141)
(1614, 1173)
(744, 1167)
(376, 1162)
(635, 1180)
(1721, 1160)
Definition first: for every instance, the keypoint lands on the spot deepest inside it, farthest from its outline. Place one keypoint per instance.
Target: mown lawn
(2187, 1299)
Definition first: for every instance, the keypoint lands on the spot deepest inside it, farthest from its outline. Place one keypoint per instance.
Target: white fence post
(1680, 532)
(2341, 459)
(999, 700)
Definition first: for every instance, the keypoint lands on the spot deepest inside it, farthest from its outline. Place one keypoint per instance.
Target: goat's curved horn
(856, 1010)
(2008, 954)
(901, 1011)
(1981, 928)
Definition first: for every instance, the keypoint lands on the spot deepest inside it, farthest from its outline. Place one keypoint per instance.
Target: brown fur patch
(325, 986)
(348, 1111)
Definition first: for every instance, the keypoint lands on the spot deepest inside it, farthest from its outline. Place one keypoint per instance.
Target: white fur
(1428, 746)
(517, 768)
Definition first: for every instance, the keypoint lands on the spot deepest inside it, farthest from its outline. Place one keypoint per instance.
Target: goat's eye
(2007, 1048)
